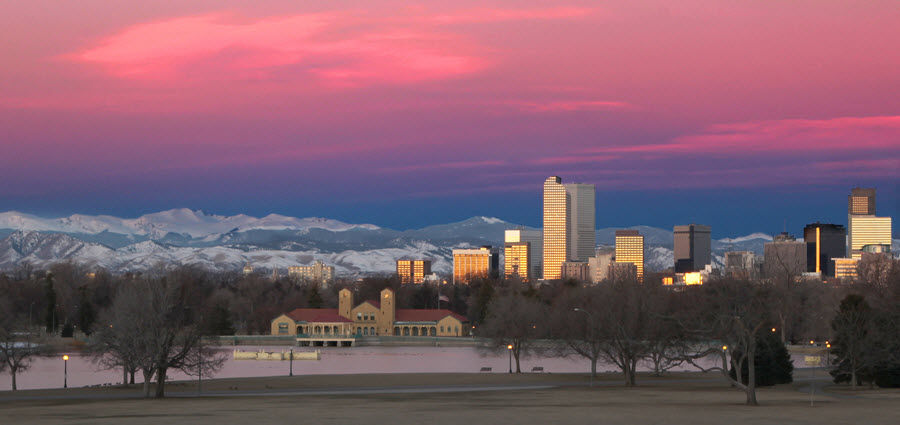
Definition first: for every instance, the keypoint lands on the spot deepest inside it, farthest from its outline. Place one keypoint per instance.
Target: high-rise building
(863, 227)
(868, 230)
(556, 227)
(413, 271)
(470, 264)
(784, 257)
(582, 212)
(692, 247)
(861, 201)
(522, 253)
(630, 249)
(824, 242)
(845, 268)
(317, 272)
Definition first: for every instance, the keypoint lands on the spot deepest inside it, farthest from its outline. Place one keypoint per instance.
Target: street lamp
(292, 363)
(591, 318)
(510, 347)
(66, 371)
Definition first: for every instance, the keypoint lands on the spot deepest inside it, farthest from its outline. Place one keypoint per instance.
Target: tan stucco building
(371, 317)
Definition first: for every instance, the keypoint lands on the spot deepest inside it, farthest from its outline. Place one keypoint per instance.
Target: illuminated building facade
(868, 230)
(692, 247)
(845, 268)
(861, 201)
(823, 243)
(599, 266)
(317, 272)
(470, 264)
(630, 249)
(413, 271)
(582, 214)
(522, 254)
(556, 227)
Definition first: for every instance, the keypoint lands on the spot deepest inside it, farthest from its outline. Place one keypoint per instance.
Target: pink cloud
(790, 135)
(490, 15)
(336, 48)
(570, 105)
(574, 159)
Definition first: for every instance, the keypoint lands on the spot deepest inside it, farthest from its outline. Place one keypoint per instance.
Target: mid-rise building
(413, 271)
(630, 249)
(824, 242)
(741, 264)
(582, 229)
(599, 266)
(692, 247)
(471, 264)
(845, 268)
(556, 227)
(522, 254)
(317, 272)
(578, 270)
(622, 271)
(784, 258)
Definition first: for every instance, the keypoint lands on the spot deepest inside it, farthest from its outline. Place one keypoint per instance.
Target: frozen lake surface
(48, 372)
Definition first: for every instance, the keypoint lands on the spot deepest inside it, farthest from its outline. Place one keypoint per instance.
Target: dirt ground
(678, 398)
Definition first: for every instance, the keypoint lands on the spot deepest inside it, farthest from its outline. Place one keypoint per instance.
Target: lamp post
(292, 363)
(591, 318)
(66, 371)
(509, 348)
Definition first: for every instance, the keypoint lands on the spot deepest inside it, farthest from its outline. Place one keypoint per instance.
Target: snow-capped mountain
(217, 242)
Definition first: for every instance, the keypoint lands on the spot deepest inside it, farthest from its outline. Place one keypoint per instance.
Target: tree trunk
(148, 375)
(751, 376)
(516, 356)
(594, 367)
(124, 376)
(13, 373)
(131, 381)
(853, 378)
(160, 382)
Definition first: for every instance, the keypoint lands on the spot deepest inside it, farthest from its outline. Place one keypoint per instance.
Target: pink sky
(412, 94)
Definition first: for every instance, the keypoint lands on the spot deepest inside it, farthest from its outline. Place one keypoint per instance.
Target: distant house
(369, 318)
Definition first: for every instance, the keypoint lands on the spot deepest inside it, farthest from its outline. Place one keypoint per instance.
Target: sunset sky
(736, 114)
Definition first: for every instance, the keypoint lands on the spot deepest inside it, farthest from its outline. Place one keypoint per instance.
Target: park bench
(537, 369)
(486, 369)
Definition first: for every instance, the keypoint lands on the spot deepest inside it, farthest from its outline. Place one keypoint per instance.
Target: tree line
(153, 322)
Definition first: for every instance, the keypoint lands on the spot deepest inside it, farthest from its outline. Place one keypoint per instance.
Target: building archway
(397, 330)
(372, 330)
(405, 331)
(433, 331)
(415, 331)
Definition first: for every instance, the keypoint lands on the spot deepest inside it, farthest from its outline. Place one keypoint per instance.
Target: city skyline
(406, 116)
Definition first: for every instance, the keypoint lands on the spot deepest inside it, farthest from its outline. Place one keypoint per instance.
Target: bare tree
(513, 320)
(625, 322)
(152, 328)
(576, 326)
(19, 343)
(722, 320)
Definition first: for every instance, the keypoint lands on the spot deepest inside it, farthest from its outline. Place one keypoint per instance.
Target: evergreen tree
(772, 360)
(219, 321)
(86, 313)
(314, 298)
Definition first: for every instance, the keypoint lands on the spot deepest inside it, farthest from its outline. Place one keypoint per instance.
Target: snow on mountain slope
(750, 237)
(195, 223)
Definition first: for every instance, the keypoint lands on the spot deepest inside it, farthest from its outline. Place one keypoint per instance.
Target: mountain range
(185, 236)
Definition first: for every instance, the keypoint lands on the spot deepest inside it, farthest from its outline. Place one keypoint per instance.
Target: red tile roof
(410, 315)
(313, 315)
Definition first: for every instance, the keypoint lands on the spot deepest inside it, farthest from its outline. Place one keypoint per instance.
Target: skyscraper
(784, 258)
(863, 227)
(582, 229)
(556, 227)
(630, 249)
(824, 243)
(692, 247)
(522, 253)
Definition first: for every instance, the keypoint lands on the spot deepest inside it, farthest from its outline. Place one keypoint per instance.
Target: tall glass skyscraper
(556, 227)
(582, 229)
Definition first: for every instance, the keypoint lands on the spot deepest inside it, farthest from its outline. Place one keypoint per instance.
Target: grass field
(678, 398)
